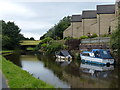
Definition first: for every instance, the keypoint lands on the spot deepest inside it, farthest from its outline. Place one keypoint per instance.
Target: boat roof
(87, 52)
(97, 50)
(64, 53)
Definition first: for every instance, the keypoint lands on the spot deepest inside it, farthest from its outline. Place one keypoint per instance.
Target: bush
(94, 35)
(68, 38)
(106, 35)
(46, 40)
(53, 47)
(84, 37)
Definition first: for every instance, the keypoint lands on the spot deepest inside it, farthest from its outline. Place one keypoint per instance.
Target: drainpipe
(72, 29)
(83, 27)
(99, 29)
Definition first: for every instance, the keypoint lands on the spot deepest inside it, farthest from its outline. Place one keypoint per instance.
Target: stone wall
(114, 24)
(77, 29)
(94, 28)
(86, 23)
(104, 22)
(68, 32)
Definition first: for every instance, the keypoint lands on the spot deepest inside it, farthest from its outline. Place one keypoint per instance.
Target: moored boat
(63, 55)
(97, 56)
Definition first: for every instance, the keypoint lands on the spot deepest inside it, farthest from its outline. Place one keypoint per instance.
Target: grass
(18, 78)
(30, 48)
(6, 52)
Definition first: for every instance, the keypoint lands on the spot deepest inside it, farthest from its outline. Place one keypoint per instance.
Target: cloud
(9, 10)
(35, 17)
(62, 0)
(33, 25)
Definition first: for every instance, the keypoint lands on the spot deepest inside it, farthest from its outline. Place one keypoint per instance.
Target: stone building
(75, 30)
(102, 21)
(89, 18)
(105, 15)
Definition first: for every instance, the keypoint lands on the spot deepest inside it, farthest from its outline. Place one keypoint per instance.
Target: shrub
(53, 47)
(84, 37)
(94, 35)
(46, 40)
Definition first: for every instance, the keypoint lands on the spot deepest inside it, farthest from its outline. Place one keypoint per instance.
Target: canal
(67, 74)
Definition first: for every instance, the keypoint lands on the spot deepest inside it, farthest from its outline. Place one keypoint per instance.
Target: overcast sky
(36, 17)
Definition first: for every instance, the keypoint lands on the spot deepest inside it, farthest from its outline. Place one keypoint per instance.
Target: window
(85, 54)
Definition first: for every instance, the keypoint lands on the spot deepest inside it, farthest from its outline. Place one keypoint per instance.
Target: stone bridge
(28, 43)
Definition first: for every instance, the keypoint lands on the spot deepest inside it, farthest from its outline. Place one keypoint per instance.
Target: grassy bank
(6, 52)
(18, 78)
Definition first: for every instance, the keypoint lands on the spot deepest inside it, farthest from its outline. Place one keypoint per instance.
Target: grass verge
(18, 78)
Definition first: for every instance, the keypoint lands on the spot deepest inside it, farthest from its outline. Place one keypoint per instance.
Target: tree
(115, 41)
(10, 35)
(56, 32)
(32, 38)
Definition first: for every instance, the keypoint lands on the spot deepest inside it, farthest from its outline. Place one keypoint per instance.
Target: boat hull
(97, 60)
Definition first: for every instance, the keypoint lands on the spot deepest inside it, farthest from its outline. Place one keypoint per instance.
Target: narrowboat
(97, 56)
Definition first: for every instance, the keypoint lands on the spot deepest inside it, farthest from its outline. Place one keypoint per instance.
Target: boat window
(97, 54)
(106, 55)
(104, 52)
(92, 54)
(85, 54)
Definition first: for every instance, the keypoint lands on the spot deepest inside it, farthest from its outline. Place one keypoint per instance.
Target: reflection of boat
(97, 56)
(62, 62)
(96, 70)
(63, 55)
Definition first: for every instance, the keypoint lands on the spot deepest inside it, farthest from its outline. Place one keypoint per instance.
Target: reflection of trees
(49, 62)
(114, 78)
(15, 58)
(119, 76)
(73, 69)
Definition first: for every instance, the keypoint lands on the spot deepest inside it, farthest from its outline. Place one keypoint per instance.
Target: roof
(89, 14)
(63, 53)
(87, 52)
(76, 18)
(106, 9)
(96, 50)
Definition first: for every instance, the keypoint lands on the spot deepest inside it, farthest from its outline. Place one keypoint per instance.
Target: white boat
(97, 56)
(63, 55)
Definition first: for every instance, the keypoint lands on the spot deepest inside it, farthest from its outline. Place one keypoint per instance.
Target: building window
(109, 31)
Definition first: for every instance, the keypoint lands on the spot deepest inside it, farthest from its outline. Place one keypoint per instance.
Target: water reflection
(39, 69)
(15, 58)
(68, 74)
(63, 63)
(96, 70)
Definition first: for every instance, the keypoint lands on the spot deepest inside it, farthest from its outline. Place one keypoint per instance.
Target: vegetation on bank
(115, 42)
(18, 78)
(48, 45)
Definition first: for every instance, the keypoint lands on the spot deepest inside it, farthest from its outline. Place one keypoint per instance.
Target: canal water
(67, 74)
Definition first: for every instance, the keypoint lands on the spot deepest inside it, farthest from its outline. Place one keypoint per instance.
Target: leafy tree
(56, 32)
(115, 41)
(32, 38)
(10, 35)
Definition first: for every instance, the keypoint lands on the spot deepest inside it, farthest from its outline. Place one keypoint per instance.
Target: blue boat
(97, 56)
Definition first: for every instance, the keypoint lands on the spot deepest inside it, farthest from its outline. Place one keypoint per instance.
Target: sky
(36, 17)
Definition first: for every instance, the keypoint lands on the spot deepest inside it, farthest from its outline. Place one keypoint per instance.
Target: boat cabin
(98, 53)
